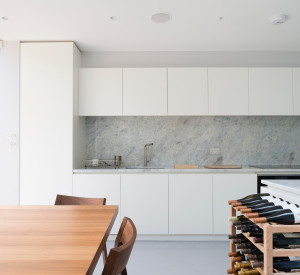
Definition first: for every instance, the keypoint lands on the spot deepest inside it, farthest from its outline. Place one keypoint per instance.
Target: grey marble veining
(187, 140)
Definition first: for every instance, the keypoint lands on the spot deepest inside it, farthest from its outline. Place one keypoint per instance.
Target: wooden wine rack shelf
(267, 246)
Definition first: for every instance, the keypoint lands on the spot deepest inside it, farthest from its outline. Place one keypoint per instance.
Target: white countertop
(292, 186)
(170, 170)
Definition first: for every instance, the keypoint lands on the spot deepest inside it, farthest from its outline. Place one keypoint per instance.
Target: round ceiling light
(278, 19)
(161, 17)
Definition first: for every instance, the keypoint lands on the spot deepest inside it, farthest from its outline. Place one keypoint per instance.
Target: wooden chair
(119, 255)
(71, 200)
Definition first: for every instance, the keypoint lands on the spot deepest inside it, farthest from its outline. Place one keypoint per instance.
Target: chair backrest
(119, 255)
(71, 200)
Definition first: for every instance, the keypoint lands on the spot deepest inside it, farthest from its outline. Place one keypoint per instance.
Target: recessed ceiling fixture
(278, 19)
(161, 17)
(112, 18)
(4, 18)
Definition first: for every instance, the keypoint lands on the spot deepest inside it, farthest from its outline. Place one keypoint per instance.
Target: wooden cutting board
(186, 166)
(223, 166)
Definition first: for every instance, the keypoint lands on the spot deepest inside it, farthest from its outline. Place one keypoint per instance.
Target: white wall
(190, 59)
(9, 123)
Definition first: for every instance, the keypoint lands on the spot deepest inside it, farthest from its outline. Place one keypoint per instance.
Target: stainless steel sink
(143, 167)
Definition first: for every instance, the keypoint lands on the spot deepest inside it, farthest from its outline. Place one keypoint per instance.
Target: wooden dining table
(61, 239)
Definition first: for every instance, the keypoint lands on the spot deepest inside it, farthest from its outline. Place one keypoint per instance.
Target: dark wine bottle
(252, 201)
(236, 236)
(282, 242)
(249, 197)
(237, 218)
(234, 254)
(281, 266)
(285, 216)
(272, 210)
(253, 206)
(259, 207)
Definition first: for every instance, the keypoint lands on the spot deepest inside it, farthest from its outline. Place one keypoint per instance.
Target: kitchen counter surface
(170, 170)
(292, 186)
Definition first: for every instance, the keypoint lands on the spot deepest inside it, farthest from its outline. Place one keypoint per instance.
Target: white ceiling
(195, 24)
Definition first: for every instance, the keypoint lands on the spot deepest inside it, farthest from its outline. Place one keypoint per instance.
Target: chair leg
(104, 254)
(124, 272)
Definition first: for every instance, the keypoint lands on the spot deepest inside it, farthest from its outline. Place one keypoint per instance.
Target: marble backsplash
(187, 140)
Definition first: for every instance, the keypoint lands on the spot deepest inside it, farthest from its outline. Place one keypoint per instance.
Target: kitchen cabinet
(187, 91)
(228, 91)
(49, 124)
(229, 187)
(99, 186)
(296, 91)
(100, 92)
(144, 198)
(270, 91)
(144, 91)
(190, 204)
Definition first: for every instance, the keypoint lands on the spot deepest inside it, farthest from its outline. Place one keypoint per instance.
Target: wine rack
(267, 247)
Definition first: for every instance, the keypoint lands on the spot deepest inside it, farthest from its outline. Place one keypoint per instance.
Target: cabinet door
(46, 119)
(144, 91)
(99, 186)
(187, 91)
(225, 188)
(190, 204)
(228, 91)
(270, 91)
(100, 92)
(296, 91)
(145, 200)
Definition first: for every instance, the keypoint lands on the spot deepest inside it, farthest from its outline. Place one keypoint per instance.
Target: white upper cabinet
(270, 91)
(144, 91)
(296, 90)
(100, 92)
(228, 91)
(187, 91)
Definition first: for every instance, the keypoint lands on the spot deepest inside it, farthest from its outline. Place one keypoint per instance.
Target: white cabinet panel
(270, 91)
(144, 91)
(187, 91)
(228, 91)
(144, 199)
(225, 188)
(99, 186)
(100, 92)
(296, 91)
(46, 119)
(190, 204)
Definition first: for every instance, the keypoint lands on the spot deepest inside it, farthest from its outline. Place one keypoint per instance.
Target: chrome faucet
(145, 153)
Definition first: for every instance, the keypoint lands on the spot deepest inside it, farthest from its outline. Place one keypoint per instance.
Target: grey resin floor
(176, 258)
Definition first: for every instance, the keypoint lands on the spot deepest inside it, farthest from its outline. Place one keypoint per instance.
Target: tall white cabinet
(48, 118)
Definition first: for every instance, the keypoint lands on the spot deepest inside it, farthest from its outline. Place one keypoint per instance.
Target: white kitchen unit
(49, 76)
(190, 204)
(144, 198)
(100, 92)
(144, 91)
(271, 91)
(229, 187)
(99, 186)
(228, 91)
(187, 91)
(296, 90)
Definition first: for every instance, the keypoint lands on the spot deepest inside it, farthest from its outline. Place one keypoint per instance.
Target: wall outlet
(214, 151)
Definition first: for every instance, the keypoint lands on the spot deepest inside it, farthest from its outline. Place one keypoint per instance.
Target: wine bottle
(282, 242)
(285, 216)
(254, 257)
(237, 218)
(248, 272)
(263, 203)
(236, 236)
(272, 210)
(252, 250)
(242, 222)
(249, 197)
(254, 233)
(238, 259)
(281, 265)
(253, 201)
(234, 254)
(238, 266)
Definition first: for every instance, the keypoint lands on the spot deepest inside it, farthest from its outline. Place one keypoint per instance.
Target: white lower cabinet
(225, 188)
(99, 186)
(144, 199)
(190, 204)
